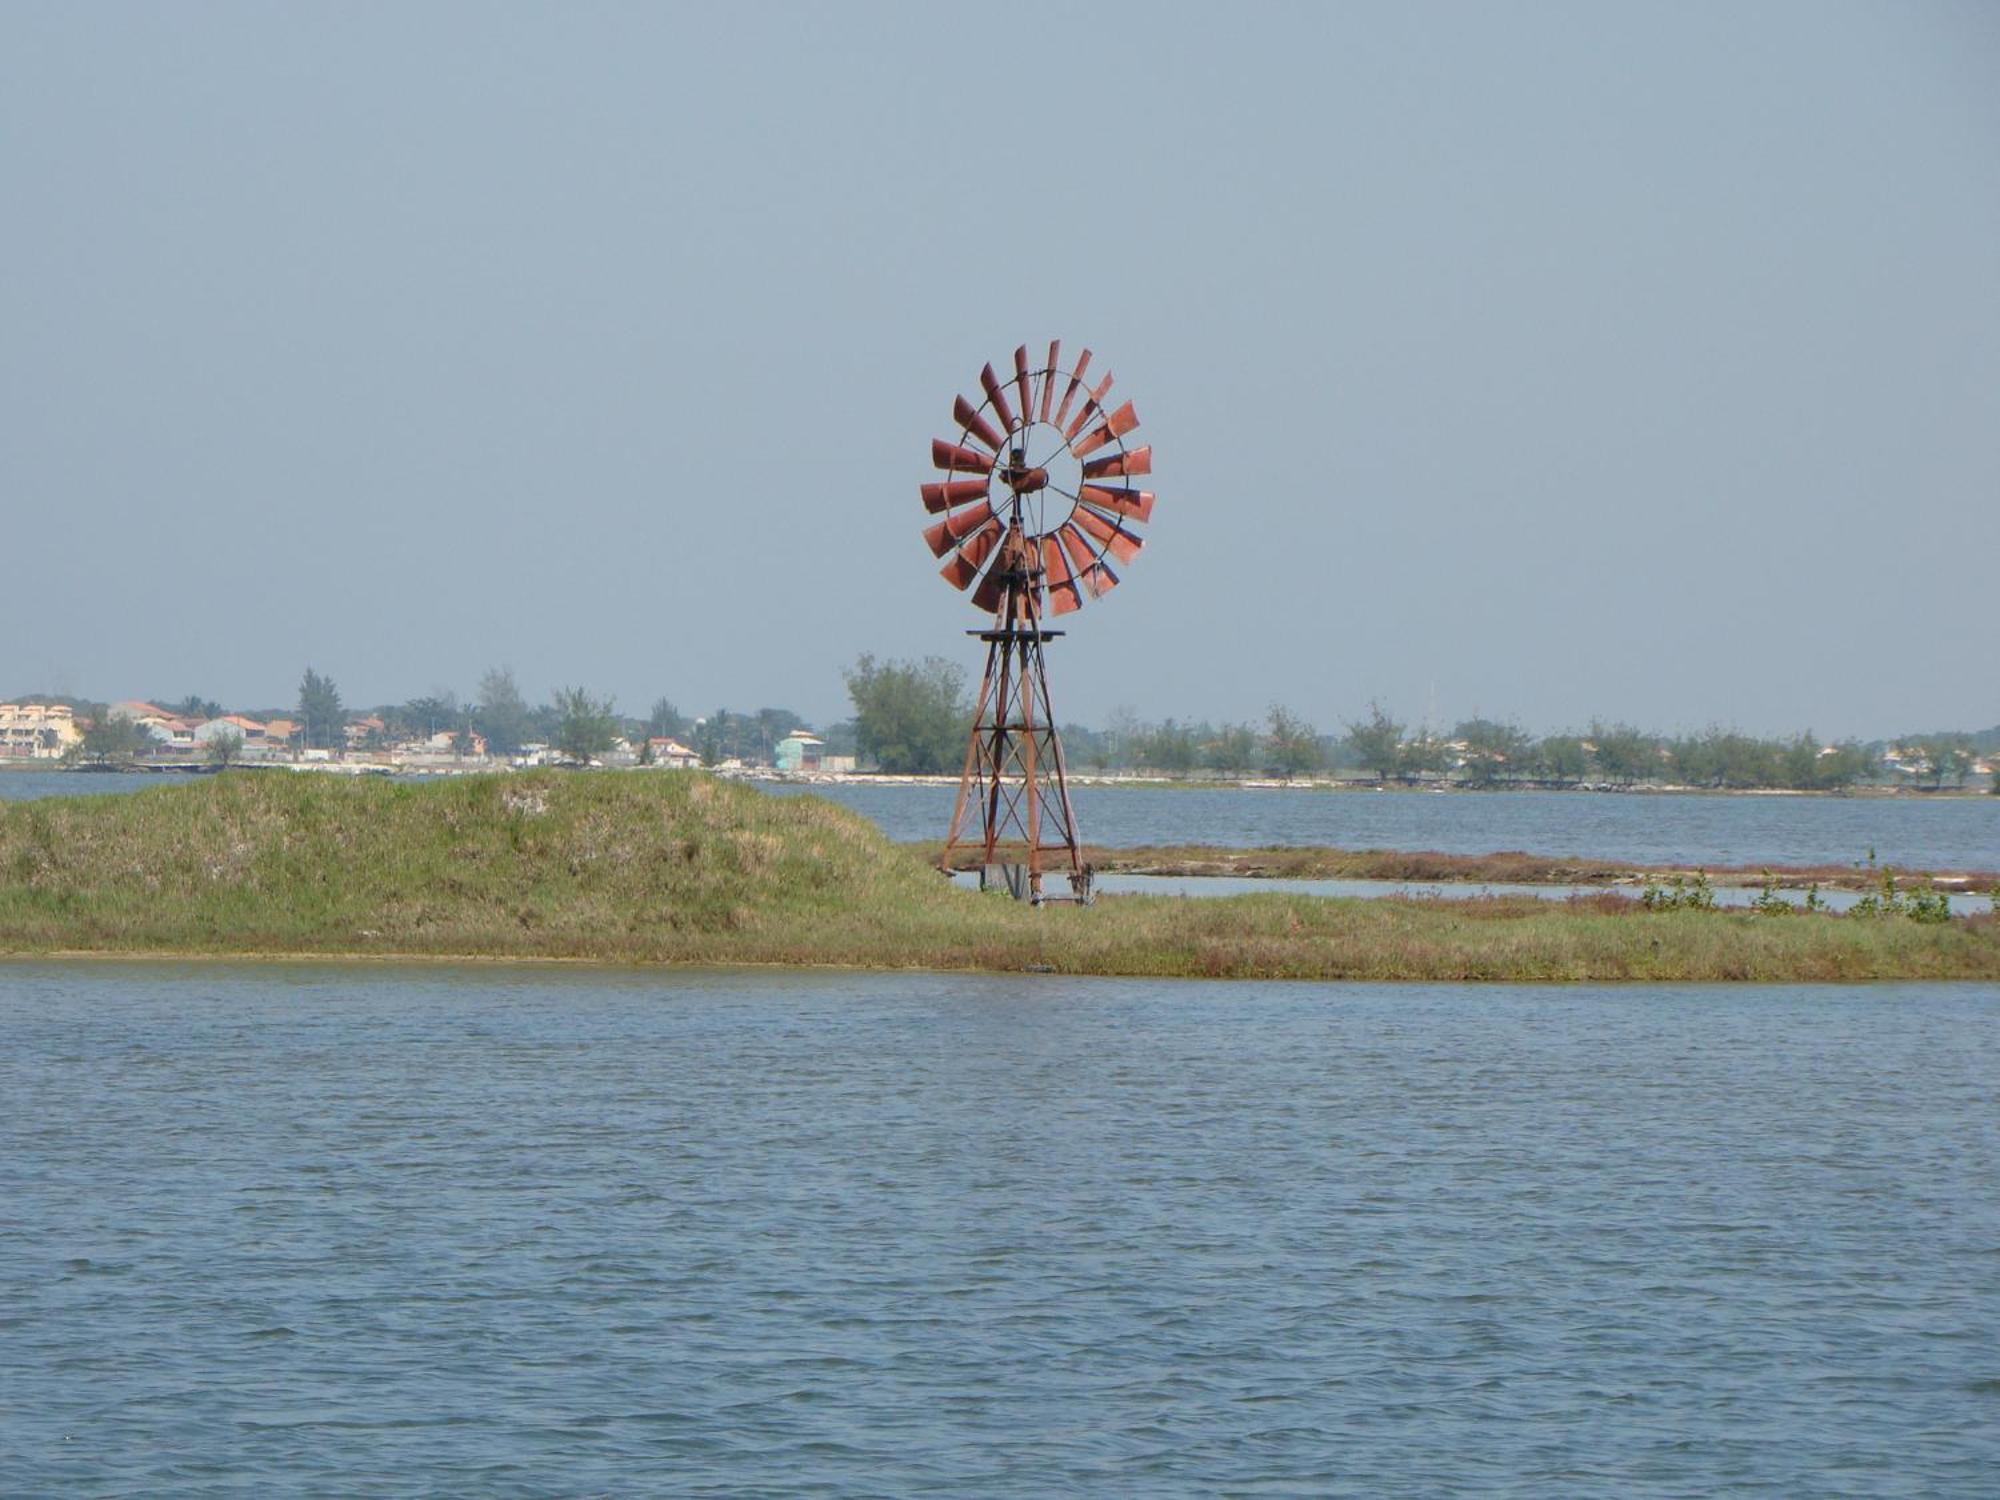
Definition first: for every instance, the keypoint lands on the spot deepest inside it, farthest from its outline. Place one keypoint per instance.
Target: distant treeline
(1490, 752)
(912, 717)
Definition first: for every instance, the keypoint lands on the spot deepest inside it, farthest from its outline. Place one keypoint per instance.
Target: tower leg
(1014, 770)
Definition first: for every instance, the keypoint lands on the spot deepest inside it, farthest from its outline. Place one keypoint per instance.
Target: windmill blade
(997, 396)
(1132, 462)
(1054, 565)
(975, 424)
(939, 497)
(1064, 593)
(1122, 544)
(960, 460)
(1024, 383)
(1137, 504)
(1116, 425)
(1049, 376)
(1077, 545)
(1092, 404)
(990, 591)
(954, 529)
(1075, 381)
(971, 556)
(1100, 580)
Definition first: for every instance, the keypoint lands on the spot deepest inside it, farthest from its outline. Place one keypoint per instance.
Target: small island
(689, 869)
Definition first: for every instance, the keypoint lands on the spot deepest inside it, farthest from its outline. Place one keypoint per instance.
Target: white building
(37, 731)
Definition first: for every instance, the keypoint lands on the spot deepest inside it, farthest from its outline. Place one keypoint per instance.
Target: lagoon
(1911, 832)
(528, 1230)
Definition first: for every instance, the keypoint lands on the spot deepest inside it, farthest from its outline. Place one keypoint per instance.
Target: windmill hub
(1033, 515)
(1021, 479)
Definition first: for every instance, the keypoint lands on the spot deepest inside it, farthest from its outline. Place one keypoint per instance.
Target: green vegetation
(502, 714)
(1376, 743)
(910, 718)
(1889, 901)
(1682, 893)
(686, 869)
(586, 727)
(109, 741)
(322, 720)
(1293, 744)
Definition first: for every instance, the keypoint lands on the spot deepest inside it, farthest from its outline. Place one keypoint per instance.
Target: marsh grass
(685, 869)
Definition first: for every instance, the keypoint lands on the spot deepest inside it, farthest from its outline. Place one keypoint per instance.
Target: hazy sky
(1540, 361)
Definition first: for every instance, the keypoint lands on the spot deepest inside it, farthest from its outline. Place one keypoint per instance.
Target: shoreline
(1101, 780)
(307, 958)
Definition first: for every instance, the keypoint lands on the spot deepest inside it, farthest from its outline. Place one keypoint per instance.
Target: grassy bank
(1509, 867)
(686, 869)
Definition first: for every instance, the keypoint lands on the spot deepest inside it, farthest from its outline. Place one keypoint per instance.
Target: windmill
(1036, 509)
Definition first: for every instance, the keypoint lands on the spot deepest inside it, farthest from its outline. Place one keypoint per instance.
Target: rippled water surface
(1910, 832)
(527, 1231)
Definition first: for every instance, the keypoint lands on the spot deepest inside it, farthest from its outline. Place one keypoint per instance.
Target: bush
(1680, 894)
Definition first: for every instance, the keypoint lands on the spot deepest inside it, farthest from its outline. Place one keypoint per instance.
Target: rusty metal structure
(1035, 510)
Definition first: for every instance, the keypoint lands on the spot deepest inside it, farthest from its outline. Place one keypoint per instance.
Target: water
(32, 786)
(1910, 832)
(1962, 904)
(533, 1230)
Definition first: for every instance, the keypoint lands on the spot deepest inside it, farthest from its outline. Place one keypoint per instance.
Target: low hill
(681, 868)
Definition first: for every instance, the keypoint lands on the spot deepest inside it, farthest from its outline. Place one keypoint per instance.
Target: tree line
(913, 717)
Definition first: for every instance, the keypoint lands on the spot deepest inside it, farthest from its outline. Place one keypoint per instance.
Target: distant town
(910, 718)
(141, 735)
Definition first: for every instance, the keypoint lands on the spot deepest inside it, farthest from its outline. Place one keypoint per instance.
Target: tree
(1799, 762)
(1167, 747)
(768, 727)
(1293, 743)
(1846, 763)
(586, 726)
(1492, 750)
(730, 736)
(321, 718)
(501, 714)
(1696, 759)
(1121, 737)
(1423, 756)
(225, 747)
(1561, 757)
(1376, 743)
(428, 715)
(1234, 748)
(1952, 756)
(1624, 753)
(708, 737)
(199, 709)
(909, 717)
(665, 721)
(110, 740)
